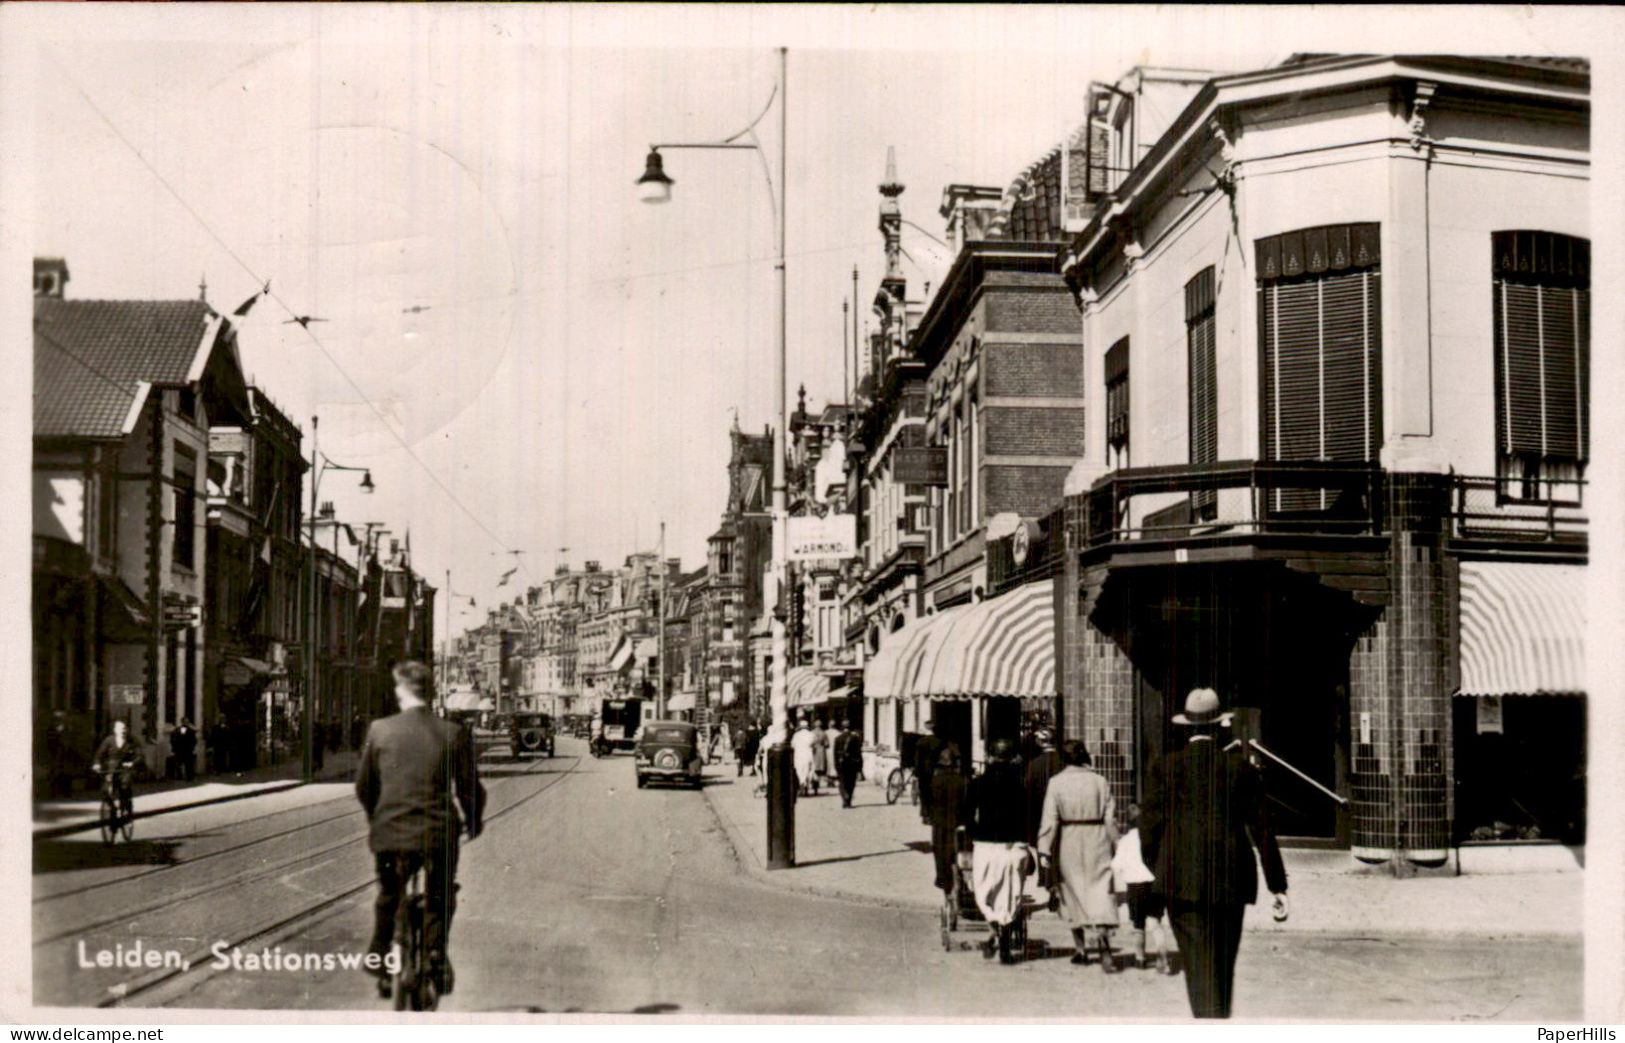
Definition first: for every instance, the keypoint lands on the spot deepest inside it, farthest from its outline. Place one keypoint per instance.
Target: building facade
(1335, 329)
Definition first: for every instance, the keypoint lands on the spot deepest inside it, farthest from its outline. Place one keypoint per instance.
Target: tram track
(199, 969)
(350, 811)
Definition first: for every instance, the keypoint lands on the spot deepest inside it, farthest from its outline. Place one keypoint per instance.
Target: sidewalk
(881, 854)
(55, 818)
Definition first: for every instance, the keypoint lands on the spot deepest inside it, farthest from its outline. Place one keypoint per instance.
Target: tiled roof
(90, 355)
(1031, 209)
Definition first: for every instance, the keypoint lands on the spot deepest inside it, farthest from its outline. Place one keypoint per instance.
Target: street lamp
(320, 465)
(655, 187)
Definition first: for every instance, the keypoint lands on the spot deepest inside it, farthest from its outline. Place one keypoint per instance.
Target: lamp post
(319, 466)
(655, 187)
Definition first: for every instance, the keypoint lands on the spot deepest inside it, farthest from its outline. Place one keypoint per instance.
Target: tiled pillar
(1399, 689)
(1095, 674)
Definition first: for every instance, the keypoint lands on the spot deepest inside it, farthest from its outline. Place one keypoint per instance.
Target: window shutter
(1321, 333)
(1203, 380)
(1542, 339)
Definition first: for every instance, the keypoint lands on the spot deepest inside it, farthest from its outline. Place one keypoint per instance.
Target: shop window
(1542, 300)
(1320, 331)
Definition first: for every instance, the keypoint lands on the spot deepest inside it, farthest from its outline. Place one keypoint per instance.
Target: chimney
(50, 277)
(326, 509)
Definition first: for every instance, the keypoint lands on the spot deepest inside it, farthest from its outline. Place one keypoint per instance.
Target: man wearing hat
(1204, 813)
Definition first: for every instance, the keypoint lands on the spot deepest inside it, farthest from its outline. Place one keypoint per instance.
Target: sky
(525, 356)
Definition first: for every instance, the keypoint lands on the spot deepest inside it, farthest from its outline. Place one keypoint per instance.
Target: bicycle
(118, 809)
(414, 984)
(902, 778)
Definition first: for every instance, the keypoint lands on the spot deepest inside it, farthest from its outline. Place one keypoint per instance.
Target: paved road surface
(594, 896)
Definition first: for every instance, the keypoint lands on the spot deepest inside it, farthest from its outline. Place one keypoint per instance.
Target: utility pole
(660, 637)
(857, 370)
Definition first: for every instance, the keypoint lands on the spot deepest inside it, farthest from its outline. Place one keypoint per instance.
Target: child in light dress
(1134, 884)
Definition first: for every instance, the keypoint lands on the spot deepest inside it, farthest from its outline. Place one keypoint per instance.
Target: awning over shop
(913, 644)
(680, 702)
(805, 686)
(1004, 646)
(1522, 629)
(126, 618)
(621, 656)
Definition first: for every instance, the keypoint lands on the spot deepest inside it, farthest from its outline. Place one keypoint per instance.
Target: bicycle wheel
(109, 819)
(127, 824)
(894, 785)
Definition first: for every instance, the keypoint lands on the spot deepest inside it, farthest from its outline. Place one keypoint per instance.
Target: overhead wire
(258, 279)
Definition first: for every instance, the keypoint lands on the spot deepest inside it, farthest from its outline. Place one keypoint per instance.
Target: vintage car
(669, 751)
(530, 733)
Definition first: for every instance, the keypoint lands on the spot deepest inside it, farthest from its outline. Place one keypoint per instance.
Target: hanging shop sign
(920, 465)
(834, 536)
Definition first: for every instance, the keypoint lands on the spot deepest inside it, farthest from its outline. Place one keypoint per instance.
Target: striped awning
(1002, 647)
(805, 686)
(1522, 629)
(912, 644)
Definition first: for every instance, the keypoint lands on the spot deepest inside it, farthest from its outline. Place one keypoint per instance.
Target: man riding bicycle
(115, 761)
(410, 764)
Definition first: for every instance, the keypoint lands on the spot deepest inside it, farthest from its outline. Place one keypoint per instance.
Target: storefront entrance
(1275, 645)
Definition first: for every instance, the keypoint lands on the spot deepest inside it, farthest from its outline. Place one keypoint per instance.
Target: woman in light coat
(1078, 830)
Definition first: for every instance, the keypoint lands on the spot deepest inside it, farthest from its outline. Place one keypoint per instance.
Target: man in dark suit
(410, 764)
(1203, 814)
(848, 761)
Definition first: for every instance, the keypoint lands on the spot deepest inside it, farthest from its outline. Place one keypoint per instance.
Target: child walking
(1134, 883)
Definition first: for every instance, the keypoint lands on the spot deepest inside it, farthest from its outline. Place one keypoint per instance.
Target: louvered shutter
(1203, 378)
(1542, 346)
(1320, 327)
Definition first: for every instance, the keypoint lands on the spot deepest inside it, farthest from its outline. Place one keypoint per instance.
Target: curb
(745, 856)
(69, 828)
(780, 880)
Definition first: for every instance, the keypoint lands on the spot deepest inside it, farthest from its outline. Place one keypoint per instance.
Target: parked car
(530, 733)
(669, 751)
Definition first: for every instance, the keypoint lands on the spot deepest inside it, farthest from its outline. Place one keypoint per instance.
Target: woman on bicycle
(115, 760)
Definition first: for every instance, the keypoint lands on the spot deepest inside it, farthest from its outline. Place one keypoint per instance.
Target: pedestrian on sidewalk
(183, 744)
(821, 765)
(802, 747)
(749, 740)
(1001, 861)
(1204, 812)
(1133, 882)
(1044, 765)
(947, 809)
(848, 761)
(927, 752)
(1078, 832)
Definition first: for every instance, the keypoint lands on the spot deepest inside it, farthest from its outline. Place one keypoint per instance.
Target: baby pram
(959, 907)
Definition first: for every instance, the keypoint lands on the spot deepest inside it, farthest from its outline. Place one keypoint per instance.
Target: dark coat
(949, 802)
(183, 741)
(999, 803)
(1203, 814)
(1044, 766)
(849, 750)
(409, 766)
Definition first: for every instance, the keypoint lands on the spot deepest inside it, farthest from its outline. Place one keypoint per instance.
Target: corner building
(1336, 342)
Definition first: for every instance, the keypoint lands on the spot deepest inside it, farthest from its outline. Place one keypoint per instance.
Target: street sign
(820, 539)
(126, 694)
(920, 465)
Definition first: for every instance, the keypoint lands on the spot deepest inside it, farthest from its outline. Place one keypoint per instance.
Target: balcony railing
(1241, 498)
(1187, 502)
(1537, 510)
